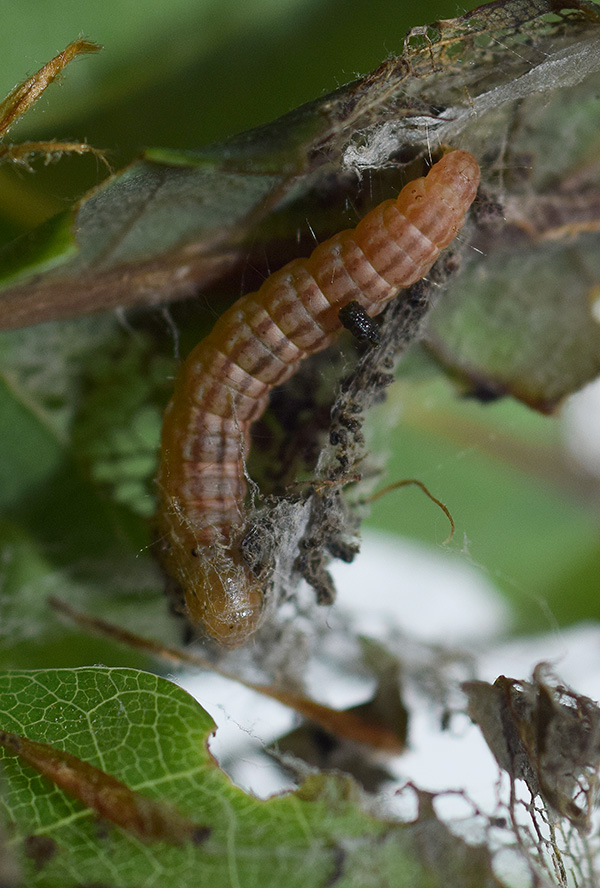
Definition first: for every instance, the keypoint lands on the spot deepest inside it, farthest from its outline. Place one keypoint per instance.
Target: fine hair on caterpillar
(225, 383)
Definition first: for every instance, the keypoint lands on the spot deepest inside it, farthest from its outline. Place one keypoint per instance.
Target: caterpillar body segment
(225, 383)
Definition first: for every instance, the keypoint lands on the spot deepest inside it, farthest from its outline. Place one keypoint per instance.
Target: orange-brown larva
(224, 384)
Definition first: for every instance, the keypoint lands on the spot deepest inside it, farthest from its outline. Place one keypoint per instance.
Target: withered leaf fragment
(338, 744)
(545, 734)
(26, 94)
(148, 819)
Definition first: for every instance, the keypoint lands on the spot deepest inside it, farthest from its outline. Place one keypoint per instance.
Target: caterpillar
(225, 383)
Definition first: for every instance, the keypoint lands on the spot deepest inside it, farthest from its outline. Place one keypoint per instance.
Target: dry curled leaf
(25, 95)
(544, 733)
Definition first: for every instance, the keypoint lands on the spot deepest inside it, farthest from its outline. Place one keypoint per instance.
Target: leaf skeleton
(225, 383)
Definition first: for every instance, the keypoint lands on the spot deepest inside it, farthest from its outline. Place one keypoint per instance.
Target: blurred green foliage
(181, 74)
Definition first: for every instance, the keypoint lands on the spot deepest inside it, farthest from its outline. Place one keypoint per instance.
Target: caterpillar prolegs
(224, 384)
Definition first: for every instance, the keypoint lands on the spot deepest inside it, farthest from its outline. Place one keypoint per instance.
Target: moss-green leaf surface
(152, 736)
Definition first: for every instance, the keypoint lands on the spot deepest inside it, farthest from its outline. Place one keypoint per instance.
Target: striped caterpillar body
(224, 384)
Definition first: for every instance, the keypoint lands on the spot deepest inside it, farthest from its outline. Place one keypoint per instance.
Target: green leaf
(525, 320)
(152, 736)
(524, 323)
(79, 428)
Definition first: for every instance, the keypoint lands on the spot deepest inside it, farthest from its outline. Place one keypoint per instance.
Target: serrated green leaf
(152, 736)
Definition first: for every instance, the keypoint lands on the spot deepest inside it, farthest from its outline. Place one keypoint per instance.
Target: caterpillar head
(223, 598)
